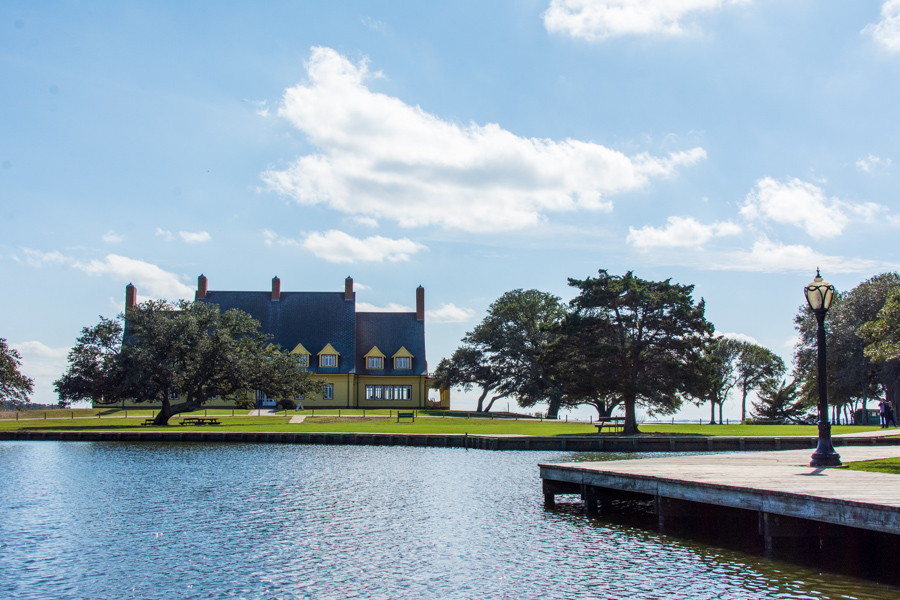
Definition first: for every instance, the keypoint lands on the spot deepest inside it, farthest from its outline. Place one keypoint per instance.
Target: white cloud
(194, 238)
(741, 337)
(36, 258)
(111, 237)
(389, 307)
(146, 277)
(361, 287)
(45, 365)
(803, 204)
(791, 342)
(594, 20)
(679, 232)
(165, 234)
(774, 257)
(871, 163)
(886, 32)
(337, 246)
(449, 313)
(367, 221)
(381, 158)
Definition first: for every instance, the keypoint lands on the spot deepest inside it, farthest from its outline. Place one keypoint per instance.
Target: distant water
(119, 520)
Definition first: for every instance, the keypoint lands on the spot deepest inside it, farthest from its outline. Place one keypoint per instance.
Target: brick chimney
(420, 303)
(130, 296)
(201, 288)
(349, 294)
(276, 288)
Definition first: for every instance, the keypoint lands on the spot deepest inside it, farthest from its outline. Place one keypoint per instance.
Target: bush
(286, 405)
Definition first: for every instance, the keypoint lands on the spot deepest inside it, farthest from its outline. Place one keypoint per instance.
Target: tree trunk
(168, 410)
(744, 406)
(493, 399)
(603, 409)
(484, 394)
(630, 427)
(712, 412)
(720, 412)
(553, 409)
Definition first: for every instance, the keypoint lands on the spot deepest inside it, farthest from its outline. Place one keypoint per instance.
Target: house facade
(366, 359)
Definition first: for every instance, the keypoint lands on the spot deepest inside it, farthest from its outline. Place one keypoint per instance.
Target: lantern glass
(819, 293)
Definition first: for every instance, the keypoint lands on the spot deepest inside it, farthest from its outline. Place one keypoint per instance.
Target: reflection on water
(117, 520)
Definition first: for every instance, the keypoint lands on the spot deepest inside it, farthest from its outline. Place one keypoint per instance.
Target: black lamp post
(819, 294)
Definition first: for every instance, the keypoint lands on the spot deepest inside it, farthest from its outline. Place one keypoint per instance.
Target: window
(374, 362)
(388, 392)
(328, 360)
(328, 392)
(402, 362)
(303, 360)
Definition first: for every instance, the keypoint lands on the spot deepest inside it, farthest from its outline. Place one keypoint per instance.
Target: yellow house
(367, 359)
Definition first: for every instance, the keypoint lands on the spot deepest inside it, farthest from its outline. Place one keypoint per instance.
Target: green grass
(327, 421)
(884, 465)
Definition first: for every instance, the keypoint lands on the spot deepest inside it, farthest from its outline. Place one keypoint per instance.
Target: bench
(406, 415)
(200, 421)
(613, 423)
(148, 421)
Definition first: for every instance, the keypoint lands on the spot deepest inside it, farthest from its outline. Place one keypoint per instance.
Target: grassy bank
(378, 421)
(884, 465)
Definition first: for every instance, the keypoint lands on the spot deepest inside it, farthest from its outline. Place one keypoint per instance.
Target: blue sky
(472, 148)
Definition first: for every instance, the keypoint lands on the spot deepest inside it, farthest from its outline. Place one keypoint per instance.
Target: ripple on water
(114, 520)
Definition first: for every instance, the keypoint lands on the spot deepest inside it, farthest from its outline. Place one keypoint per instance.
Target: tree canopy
(756, 365)
(182, 356)
(779, 402)
(14, 387)
(641, 339)
(717, 373)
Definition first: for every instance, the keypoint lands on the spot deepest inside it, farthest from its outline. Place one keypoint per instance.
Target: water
(118, 520)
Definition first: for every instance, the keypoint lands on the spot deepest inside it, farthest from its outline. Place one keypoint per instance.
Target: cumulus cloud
(803, 204)
(381, 158)
(679, 232)
(111, 237)
(43, 364)
(337, 246)
(741, 337)
(36, 258)
(594, 20)
(389, 307)
(872, 163)
(449, 313)
(195, 238)
(148, 278)
(886, 32)
(774, 257)
(165, 234)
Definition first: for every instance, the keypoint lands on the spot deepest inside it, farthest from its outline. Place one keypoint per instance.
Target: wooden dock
(780, 493)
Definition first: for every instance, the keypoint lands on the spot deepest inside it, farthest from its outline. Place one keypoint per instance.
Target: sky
(469, 147)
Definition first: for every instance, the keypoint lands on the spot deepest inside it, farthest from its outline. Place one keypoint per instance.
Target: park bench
(613, 423)
(406, 415)
(200, 421)
(148, 421)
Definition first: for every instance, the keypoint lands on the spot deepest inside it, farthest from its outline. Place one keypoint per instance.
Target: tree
(14, 387)
(853, 377)
(510, 341)
(469, 368)
(94, 372)
(718, 373)
(755, 365)
(646, 339)
(182, 356)
(779, 402)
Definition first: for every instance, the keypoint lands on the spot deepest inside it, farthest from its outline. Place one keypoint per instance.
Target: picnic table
(613, 423)
(406, 415)
(200, 421)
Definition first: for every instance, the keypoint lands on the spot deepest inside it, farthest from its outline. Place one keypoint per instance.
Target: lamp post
(819, 295)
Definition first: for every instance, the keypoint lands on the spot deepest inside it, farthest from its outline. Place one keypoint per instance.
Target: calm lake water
(119, 520)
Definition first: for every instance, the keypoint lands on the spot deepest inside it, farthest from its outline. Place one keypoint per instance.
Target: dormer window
(402, 359)
(302, 355)
(328, 357)
(374, 359)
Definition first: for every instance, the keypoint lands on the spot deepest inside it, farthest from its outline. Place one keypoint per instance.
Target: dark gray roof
(390, 331)
(313, 319)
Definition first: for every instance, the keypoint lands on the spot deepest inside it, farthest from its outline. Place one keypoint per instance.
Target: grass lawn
(328, 421)
(884, 465)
